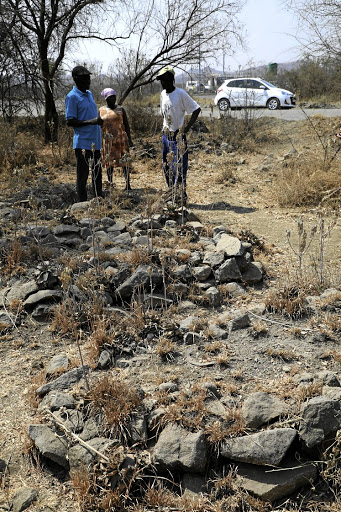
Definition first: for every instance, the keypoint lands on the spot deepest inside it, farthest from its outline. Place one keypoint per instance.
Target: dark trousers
(88, 160)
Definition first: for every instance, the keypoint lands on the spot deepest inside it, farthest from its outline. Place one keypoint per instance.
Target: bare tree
(319, 26)
(41, 32)
(174, 32)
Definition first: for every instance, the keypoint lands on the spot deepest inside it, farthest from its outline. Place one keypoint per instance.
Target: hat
(108, 92)
(163, 71)
(80, 71)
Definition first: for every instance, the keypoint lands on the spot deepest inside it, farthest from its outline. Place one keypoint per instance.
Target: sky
(269, 29)
(270, 34)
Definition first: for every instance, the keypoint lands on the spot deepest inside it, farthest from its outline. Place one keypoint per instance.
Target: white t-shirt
(174, 107)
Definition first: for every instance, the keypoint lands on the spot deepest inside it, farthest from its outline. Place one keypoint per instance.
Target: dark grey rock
(50, 445)
(273, 485)
(228, 271)
(264, 448)
(65, 381)
(142, 277)
(328, 378)
(214, 296)
(213, 258)
(56, 400)
(191, 338)
(201, 273)
(180, 450)
(320, 420)
(46, 296)
(58, 363)
(240, 320)
(80, 455)
(38, 231)
(261, 408)
(23, 498)
(72, 419)
(66, 230)
(91, 429)
(193, 484)
(20, 290)
(254, 273)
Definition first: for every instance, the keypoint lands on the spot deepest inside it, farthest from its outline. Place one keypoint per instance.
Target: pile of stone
(274, 458)
(218, 260)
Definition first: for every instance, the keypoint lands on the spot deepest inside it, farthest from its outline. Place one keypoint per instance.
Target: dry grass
(166, 349)
(282, 354)
(114, 399)
(288, 299)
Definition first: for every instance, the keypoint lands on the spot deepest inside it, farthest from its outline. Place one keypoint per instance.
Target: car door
(260, 93)
(238, 93)
(232, 93)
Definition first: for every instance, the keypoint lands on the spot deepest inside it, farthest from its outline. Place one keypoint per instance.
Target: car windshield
(268, 83)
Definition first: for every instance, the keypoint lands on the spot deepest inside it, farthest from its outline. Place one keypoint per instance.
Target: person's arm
(192, 120)
(127, 127)
(77, 122)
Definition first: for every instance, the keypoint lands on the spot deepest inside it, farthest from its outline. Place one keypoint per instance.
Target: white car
(252, 92)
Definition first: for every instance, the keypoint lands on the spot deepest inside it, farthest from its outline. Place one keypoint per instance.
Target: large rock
(50, 445)
(80, 455)
(254, 273)
(46, 296)
(261, 408)
(20, 290)
(320, 420)
(228, 271)
(276, 484)
(230, 245)
(214, 259)
(264, 448)
(23, 498)
(180, 450)
(142, 277)
(65, 381)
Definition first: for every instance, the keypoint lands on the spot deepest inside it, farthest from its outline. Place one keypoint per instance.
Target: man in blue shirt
(82, 114)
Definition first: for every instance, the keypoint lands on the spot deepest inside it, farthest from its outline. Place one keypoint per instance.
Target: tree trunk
(51, 116)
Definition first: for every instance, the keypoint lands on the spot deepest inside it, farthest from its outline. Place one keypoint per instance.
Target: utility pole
(199, 70)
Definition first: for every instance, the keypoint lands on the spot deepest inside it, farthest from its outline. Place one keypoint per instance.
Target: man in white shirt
(175, 104)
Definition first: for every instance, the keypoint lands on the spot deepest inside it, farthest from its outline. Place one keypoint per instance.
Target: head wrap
(108, 92)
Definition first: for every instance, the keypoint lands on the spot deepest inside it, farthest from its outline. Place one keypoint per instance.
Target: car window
(269, 85)
(232, 83)
(253, 84)
(240, 83)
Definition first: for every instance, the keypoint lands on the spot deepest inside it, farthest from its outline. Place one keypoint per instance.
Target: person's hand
(339, 134)
(100, 121)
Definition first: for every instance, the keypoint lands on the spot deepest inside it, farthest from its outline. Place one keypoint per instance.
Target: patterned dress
(115, 140)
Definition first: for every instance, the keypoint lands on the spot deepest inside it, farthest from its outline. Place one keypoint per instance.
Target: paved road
(293, 114)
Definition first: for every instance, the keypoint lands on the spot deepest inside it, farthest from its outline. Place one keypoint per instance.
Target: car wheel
(273, 104)
(223, 104)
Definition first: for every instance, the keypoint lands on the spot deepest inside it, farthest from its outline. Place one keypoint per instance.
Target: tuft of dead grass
(115, 400)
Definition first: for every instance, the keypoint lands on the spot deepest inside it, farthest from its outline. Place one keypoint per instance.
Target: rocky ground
(151, 345)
